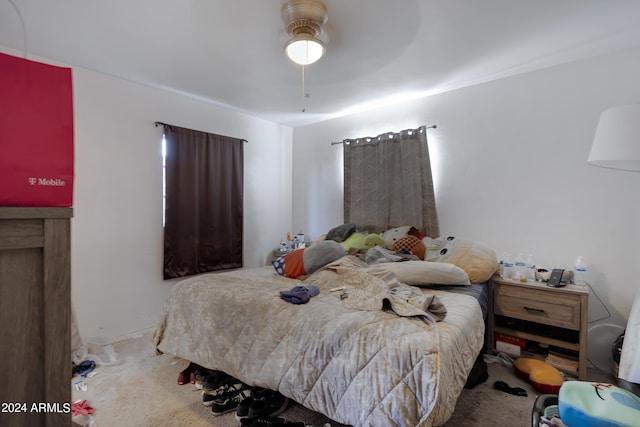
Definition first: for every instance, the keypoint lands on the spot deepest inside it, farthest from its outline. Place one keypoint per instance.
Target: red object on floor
(187, 375)
(80, 407)
(36, 134)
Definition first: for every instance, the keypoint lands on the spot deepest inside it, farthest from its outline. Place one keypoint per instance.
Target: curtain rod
(426, 127)
(156, 124)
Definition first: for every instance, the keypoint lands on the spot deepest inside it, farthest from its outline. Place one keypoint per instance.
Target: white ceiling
(230, 52)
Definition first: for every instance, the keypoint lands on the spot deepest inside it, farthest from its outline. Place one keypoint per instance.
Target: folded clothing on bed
(300, 294)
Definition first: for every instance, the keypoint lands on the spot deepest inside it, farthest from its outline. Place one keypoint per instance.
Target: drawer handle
(536, 310)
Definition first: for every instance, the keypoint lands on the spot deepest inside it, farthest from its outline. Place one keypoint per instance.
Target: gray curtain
(388, 182)
(204, 193)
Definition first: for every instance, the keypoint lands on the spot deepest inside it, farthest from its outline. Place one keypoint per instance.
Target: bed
(368, 350)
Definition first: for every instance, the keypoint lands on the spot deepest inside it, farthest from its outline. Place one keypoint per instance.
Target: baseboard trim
(137, 334)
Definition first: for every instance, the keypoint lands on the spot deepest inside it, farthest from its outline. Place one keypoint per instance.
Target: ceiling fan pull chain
(304, 92)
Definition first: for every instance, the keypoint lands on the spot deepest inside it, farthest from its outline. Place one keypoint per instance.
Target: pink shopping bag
(36, 133)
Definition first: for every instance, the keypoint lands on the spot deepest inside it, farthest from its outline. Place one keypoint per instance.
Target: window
(203, 201)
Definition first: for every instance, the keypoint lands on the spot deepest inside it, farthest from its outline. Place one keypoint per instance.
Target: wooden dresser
(35, 316)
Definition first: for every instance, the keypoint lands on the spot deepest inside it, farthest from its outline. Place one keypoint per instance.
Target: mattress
(367, 359)
(479, 291)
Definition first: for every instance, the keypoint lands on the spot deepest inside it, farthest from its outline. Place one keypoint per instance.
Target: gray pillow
(320, 254)
(341, 232)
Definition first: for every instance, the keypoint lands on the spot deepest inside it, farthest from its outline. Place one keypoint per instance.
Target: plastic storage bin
(101, 351)
(545, 406)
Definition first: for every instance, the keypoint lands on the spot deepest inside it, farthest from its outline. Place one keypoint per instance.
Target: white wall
(116, 246)
(509, 160)
(117, 226)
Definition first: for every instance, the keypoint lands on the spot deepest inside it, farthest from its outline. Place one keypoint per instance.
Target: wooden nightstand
(554, 317)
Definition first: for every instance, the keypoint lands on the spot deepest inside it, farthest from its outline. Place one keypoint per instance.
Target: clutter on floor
(254, 406)
(516, 391)
(120, 395)
(97, 351)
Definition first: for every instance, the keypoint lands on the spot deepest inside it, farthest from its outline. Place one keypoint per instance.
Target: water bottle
(580, 271)
(531, 269)
(520, 268)
(507, 267)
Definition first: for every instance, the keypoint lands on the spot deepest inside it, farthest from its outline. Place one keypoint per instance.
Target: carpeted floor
(140, 390)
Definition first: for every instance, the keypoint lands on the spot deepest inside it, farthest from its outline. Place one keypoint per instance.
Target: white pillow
(425, 273)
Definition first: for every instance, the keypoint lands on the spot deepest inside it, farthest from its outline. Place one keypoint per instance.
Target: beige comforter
(377, 357)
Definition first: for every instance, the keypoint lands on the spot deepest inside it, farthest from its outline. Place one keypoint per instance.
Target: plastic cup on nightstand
(580, 272)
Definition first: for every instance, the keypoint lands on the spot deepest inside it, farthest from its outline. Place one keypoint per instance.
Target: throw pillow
(424, 273)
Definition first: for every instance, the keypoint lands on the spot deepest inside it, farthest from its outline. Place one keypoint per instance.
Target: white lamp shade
(304, 51)
(616, 144)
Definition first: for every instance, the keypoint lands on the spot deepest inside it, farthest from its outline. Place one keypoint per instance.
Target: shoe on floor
(201, 375)
(242, 411)
(222, 393)
(502, 386)
(270, 405)
(215, 385)
(263, 422)
(216, 380)
(257, 393)
(229, 400)
(195, 368)
(185, 376)
(227, 388)
(270, 422)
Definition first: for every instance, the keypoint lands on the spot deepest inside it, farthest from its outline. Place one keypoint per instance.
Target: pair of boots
(189, 374)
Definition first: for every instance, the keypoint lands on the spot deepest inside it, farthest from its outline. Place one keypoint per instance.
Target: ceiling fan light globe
(304, 51)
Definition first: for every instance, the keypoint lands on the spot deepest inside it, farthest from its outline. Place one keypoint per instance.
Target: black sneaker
(270, 405)
(214, 386)
(216, 380)
(263, 422)
(201, 374)
(229, 400)
(257, 393)
(270, 422)
(242, 411)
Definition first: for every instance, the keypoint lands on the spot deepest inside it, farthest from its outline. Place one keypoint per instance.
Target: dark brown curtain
(388, 182)
(203, 213)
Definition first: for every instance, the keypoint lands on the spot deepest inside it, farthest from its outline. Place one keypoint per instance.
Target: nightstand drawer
(538, 305)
